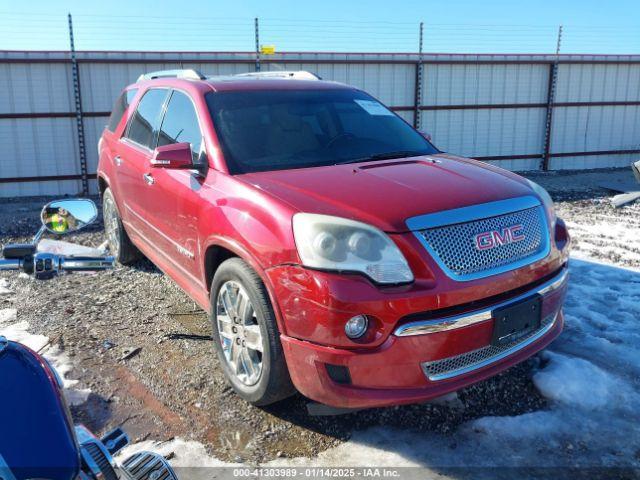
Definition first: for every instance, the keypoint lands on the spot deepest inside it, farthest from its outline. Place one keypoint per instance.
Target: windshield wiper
(383, 156)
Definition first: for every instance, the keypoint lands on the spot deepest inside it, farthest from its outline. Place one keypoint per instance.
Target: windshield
(281, 129)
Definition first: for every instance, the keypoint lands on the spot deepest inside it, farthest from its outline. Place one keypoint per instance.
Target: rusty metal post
(75, 73)
(257, 28)
(551, 94)
(418, 88)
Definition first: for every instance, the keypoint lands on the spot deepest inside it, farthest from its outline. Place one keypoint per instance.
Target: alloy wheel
(111, 224)
(239, 332)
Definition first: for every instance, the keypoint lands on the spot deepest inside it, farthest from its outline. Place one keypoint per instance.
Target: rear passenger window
(145, 120)
(120, 107)
(180, 124)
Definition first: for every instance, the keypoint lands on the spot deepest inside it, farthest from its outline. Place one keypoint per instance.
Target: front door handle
(118, 160)
(148, 178)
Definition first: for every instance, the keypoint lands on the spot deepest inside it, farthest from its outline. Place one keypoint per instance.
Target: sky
(466, 26)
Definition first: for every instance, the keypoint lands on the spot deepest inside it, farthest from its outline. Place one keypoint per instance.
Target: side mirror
(426, 135)
(65, 216)
(175, 155)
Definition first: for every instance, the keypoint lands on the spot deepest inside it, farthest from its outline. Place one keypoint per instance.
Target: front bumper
(422, 359)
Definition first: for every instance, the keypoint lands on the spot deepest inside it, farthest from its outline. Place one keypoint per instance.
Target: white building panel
(392, 84)
(30, 189)
(518, 164)
(592, 161)
(93, 128)
(469, 84)
(35, 87)
(38, 147)
(486, 132)
(584, 129)
(598, 83)
(407, 116)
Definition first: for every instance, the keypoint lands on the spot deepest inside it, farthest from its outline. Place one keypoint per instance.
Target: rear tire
(241, 312)
(120, 245)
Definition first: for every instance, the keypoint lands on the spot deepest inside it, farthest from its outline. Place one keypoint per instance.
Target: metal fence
(523, 112)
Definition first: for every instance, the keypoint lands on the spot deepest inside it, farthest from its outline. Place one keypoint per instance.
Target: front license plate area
(514, 321)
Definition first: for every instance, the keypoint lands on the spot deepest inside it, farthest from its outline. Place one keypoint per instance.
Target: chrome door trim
(422, 327)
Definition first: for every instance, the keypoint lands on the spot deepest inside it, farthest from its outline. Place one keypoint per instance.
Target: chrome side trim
(495, 358)
(475, 213)
(422, 327)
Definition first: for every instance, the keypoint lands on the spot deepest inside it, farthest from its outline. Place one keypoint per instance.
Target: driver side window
(180, 124)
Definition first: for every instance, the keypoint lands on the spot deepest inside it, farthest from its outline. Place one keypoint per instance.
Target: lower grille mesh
(452, 366)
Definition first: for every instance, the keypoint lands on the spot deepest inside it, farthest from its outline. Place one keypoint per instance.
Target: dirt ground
(144, 349)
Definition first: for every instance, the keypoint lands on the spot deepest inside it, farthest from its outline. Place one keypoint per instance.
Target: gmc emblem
(496, 238)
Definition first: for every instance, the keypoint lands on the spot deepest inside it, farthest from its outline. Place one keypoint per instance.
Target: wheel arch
(218, 250)
(103, 184)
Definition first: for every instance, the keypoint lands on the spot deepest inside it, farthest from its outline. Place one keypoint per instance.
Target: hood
(386, 193)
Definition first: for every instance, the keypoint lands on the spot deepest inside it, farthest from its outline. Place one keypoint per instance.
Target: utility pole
(82, 152)
(418, 90)
(257, 27)
(551, 95)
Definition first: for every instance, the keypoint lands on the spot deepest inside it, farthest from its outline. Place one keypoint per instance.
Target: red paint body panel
(394, 366)
(182, 214)
(385, 194)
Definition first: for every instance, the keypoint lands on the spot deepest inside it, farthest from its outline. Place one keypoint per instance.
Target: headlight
(334, 243)
(546, 200)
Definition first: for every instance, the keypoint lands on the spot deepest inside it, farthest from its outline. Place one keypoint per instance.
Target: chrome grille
(466, 362)
(455, 248)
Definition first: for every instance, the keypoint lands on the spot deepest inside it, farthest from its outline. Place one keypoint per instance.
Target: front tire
(120, 245)
(246, 336)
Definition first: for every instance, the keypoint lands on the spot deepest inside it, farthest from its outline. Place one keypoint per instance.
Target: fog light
(356, 326)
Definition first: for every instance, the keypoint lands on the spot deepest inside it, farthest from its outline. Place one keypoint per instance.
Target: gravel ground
(144, 348)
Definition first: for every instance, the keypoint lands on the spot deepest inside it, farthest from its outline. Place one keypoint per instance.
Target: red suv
(337, 250)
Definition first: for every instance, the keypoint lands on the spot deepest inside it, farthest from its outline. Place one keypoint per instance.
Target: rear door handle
(148, 178)
(118, 160)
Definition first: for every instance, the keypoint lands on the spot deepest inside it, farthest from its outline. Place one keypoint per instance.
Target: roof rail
(294, 75)
(185, 73)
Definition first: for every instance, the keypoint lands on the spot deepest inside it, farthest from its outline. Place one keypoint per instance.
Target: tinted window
(145, 120)
(280, 129)
(180, 124)
(120, 107)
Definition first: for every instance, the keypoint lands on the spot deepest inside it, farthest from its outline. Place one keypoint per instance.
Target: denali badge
(495, 238)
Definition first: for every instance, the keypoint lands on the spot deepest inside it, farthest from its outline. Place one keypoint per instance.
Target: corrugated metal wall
(493, 107)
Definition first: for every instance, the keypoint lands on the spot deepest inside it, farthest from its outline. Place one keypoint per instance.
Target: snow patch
(578, 383)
